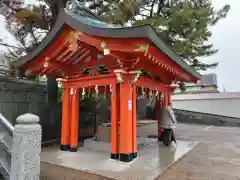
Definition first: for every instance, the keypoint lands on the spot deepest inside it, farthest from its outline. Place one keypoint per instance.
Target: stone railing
(6, 131)
(20, 155)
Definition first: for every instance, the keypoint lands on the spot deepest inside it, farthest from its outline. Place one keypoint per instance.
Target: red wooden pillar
(74, 120)
(115, 107)
(134, 120)
(66, 120)
(126, 140)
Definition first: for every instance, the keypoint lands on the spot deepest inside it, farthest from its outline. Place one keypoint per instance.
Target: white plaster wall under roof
(224, 104)
(197, 90)
(4, 65)
(208, 83)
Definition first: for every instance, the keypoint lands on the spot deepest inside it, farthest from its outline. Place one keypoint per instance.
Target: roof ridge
(77, 7)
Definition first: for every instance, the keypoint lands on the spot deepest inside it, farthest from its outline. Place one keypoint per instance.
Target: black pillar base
(160, 138)
(126, 157)
(64, 147)
(134, 155)
(73, 149)
(114, 156)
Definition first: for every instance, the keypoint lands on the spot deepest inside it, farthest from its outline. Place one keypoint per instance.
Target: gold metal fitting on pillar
(136, 75)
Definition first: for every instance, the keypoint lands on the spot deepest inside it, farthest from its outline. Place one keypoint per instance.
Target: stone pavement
(216, 157)
(207, 161)
(202, 133)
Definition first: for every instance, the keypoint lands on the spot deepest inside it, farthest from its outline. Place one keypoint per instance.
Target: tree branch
(152, 8)
(8, 45)
(143, 15)
(33, 35)
(160, 6)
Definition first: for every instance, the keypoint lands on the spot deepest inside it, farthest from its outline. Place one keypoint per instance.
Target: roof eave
(144, 31)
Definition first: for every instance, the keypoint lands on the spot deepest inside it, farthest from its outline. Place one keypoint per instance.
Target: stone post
(25, 162)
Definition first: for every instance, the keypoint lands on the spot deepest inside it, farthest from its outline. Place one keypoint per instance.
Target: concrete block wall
(21, 96)
(222, 104)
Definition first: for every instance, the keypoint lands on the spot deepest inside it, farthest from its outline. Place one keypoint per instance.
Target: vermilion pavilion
(86, 53)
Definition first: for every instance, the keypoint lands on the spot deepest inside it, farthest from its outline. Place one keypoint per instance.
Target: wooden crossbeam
(151, 84)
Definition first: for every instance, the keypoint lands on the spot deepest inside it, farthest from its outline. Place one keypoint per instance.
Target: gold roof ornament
(142, 48)
(103, 44)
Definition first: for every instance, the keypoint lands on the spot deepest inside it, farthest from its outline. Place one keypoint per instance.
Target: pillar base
(73, 149)
(114, 156)
(134, 155)
(64, 147)
(126, 157)
(160, 138)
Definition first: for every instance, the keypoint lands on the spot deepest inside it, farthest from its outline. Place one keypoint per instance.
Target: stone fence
(20, 96)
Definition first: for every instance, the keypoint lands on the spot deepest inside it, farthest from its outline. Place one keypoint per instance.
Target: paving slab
(216, 157)
(207, 161)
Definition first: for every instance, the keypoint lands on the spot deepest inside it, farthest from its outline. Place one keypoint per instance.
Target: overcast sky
(226, 38)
